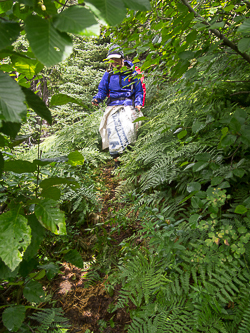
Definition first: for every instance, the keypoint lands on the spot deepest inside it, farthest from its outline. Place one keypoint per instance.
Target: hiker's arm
(102, 90)
(138, 94)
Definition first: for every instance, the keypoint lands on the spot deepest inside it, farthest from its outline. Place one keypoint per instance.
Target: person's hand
(138, 107)
(95, 102)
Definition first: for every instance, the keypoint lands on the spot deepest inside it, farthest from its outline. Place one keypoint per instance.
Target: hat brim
(115, 56)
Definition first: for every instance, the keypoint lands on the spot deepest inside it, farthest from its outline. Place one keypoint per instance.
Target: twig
(228, 81)
(30, 328)
(217, 33)
(240, 92)
(63, 4)
(234, 155)
(10, 287)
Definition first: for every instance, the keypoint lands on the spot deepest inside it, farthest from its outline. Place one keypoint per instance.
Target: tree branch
(240, 92)
(217, 33)
(62, 4)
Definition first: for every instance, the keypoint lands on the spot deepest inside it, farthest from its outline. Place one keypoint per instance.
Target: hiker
(125, 98)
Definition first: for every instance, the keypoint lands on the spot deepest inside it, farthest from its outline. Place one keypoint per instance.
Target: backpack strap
(120, 78)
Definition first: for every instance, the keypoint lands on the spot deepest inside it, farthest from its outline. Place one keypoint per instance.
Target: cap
(115, 52)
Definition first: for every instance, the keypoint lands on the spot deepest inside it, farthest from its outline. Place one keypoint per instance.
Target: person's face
(116, 62)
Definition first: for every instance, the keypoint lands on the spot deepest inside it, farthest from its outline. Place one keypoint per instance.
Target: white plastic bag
(117, 128)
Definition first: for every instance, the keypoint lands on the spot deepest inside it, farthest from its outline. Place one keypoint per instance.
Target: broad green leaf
(224, 184)
(37, 235)
(241, 9)
(26, 66)
(6, 68)
(18, 140)
(33, 292)
(19, 166)
(180, 68)
(224, 132)
(20, 11)
(195, 186)
(46, 161)
(216, 180)
(9, 31)
(196, 202)
(37, 105)
(228, 8)
(244, 44)
(190, 73)
(93, 30)
(178, 130)
(194, 219)
(29, 3)
(245, 26)
(217, 25)
(191, 36)
(137, 4)
(27, 266)
(15, 236)
(140, 119)
(52, 193)
(240, 209)
(228, 140)
(51, 270)
(5, 6)
(186, 55)
(50, 216)
(61, 99)
(203, 157)
(48, 9)
(11, 109)
(245, 131)
(111, 11)
(38, 276)
(189, 166)
(239, 172)
(200, 166)
(246, 202)
(234, 125)
(74, 258)
(3, 141)
(46, 183)
(197, 126)
(182, 8)
(240, 115)
(13, 317)
(242, 230)
(75, 158)
(10, 129)
(182, 134)
(74, 19)
(49, 45)
(6, 273)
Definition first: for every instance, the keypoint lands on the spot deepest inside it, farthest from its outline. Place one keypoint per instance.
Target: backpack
(138, 70)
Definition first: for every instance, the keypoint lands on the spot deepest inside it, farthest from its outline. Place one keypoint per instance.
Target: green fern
(51, 320)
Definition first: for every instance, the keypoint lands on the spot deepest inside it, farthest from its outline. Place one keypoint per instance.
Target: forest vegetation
(182, 201)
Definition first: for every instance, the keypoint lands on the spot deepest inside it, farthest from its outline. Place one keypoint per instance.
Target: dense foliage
(185, 182)
(187, 179)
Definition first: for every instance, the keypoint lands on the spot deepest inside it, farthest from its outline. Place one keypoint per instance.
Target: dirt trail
(87, 308)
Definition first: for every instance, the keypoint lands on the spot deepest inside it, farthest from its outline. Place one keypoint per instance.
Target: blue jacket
(118, 86)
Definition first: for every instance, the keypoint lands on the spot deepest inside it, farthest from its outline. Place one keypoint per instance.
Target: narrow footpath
(86, 305)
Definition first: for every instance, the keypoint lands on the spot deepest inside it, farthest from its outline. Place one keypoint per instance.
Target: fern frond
(51, 320)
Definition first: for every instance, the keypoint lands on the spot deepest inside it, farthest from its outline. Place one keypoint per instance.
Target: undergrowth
(186, 268)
